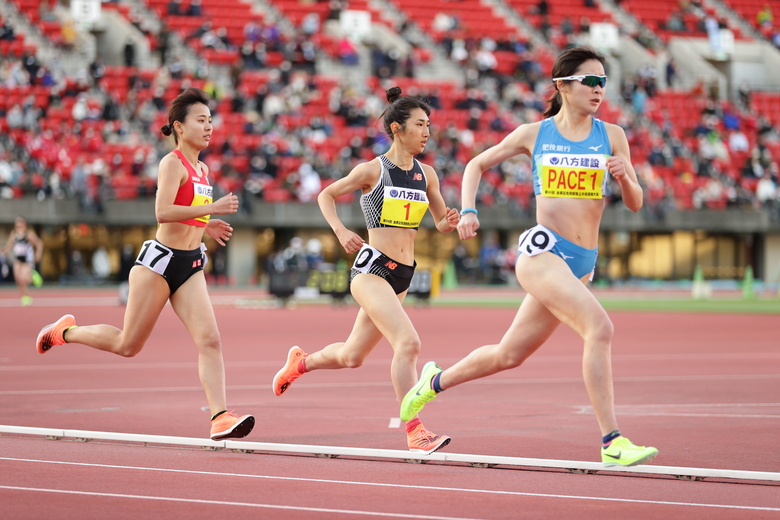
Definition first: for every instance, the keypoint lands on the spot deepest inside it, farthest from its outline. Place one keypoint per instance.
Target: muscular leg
(22, 275)
(550, 281)
(193, 306)
(532, 326)
(350, 353)
(381, 314)
(148, 294)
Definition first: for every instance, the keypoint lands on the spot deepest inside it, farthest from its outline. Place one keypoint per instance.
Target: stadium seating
(231, 151)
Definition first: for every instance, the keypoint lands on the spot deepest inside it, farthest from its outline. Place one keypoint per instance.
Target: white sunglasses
(590, 80)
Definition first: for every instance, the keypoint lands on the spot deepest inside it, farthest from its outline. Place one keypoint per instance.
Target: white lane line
(238, 504)
(400, 486)
(674, 410)
(395, 422)
(356, 384)
(379, 361)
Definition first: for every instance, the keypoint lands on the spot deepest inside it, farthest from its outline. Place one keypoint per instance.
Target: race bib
(201, 195)
(535, 241)
(20, 248)
(365, 258)
(155, 256)
(573, 176)
(403, 207)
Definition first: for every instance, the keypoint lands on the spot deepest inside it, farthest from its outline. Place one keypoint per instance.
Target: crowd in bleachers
(285, 131)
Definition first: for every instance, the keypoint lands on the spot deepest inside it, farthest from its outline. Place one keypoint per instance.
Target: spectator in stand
(174, 8)
(765, 18)
(97, 70)
(347, 51)
(766, 191)
(738, 141)
(7, 31)
(195, 8)
(69, 34)
(671, 73)
(675, 22)
(129, 52)
(744, 92)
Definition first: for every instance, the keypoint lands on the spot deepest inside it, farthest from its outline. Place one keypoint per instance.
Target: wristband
(468, 210)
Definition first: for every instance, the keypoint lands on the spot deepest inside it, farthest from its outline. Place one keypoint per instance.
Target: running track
(702, 388)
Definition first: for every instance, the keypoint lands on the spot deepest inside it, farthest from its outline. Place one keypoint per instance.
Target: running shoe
(289, 372)
(422, 441)
(37, 279)
(623, 452)
(51, 335)
(230, 426)
(26, 300)
(421, 393)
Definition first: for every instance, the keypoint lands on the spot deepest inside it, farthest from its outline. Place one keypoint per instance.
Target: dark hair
(400, 109)
(180, 107)
(566, 65)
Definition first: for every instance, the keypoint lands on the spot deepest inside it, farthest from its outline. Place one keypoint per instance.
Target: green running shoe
(37, 279)
(623, 452)
(421, 393)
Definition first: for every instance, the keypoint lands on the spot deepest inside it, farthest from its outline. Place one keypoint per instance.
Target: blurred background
(298, 87)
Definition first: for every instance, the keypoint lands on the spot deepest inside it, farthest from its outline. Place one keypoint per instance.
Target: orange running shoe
(51, 335)
(289, 372)
(230, 426)
(421, 440)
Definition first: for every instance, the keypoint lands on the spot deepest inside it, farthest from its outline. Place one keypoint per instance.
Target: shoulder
(427, 169)
(204, 167)
(616, 134)
(372, 167)
(522, 139)
(613, 129)
(526, 131)
(171, 164)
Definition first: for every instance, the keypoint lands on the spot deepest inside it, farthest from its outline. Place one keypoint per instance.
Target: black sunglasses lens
(592, 81)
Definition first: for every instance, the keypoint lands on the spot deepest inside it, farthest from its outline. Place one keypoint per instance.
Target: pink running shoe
(51, 335)
(289, 372)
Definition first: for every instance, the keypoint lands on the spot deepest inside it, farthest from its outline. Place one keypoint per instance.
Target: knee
(352, 361)
(408, 348)
(129, 350)
(508, 359)
(601, 332)
(210, 341)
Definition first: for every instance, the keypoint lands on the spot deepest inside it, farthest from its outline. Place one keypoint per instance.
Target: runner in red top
(170, 267)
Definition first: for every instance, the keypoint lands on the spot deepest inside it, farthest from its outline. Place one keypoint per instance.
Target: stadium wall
(634, 244)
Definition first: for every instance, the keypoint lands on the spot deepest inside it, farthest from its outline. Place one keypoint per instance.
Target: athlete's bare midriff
(180, 236)
(397, 243)
(576, 220)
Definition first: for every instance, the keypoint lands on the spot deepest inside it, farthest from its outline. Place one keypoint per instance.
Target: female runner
(27, 249)
(170, 267)
(572, 153)
(396, 192)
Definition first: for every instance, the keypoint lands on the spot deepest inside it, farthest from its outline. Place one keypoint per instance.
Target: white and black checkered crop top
(399, 198)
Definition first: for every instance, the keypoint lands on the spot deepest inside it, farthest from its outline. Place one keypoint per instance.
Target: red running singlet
(196, 191)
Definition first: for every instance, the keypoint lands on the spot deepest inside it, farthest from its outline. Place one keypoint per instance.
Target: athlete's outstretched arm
(362, 177)
(37, 244)
(8, 244)
(520, 141)
(446, 218)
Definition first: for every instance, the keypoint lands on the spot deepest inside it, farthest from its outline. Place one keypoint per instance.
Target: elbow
(161, 217)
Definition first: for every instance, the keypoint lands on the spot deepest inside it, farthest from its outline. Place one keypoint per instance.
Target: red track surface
(702, 388)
